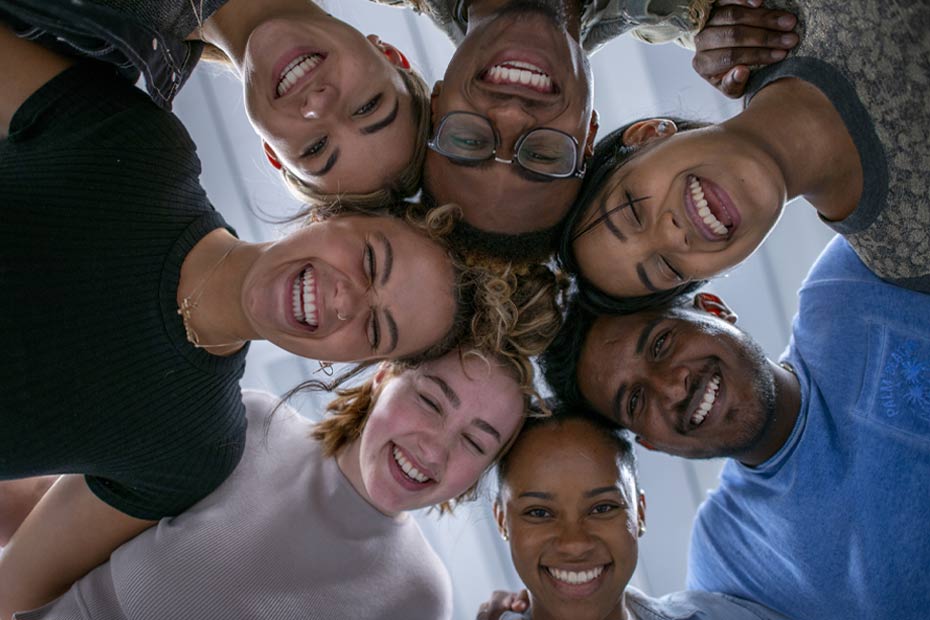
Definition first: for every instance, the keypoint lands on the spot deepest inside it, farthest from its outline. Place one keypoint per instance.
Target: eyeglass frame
(578, 172)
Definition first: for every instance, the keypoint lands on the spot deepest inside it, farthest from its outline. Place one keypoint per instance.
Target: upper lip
(423, 469)
(694, 401)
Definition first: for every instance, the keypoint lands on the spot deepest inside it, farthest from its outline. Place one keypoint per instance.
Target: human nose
(349, 300)
(433, 448)
(511, 120)
(317, 101)
(574, 540)
(672, 383)
(671, 235)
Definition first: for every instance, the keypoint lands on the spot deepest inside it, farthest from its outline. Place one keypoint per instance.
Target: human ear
(644, 132)
(380, 375)
(394, 55)
(710, 303)
(641, 505)
(271, 156)
(593, 126)
(501, 518)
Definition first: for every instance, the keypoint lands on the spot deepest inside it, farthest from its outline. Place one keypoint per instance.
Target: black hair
(535, 246)
(559, 362)
(611, 154)
(561, 413)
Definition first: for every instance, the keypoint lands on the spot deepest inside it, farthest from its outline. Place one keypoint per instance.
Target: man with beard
(822, 510)
(513, 123)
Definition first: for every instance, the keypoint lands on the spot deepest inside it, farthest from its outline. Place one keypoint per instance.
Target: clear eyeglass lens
(548, 152)
(465, 136)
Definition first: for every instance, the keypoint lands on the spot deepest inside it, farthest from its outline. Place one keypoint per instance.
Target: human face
(351, 288)
(664, 235)
(435, 429)
(570, 510)
(685, 382)
(341, 119)
(483, 77)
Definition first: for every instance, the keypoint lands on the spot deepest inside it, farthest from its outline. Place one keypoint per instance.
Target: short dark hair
(563, 412)
(611, 154)
(535, 246)
(559, 362)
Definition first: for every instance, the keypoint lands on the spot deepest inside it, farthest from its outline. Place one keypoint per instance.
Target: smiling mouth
(712, 218)
(521, 74)
(411, 472)
(707, 401)
(575, 578)
(303, 296)
(295, 70)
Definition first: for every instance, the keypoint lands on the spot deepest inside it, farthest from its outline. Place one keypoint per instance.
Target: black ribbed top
(101, 202)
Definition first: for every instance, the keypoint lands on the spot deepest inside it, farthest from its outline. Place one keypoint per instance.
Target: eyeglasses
(466, 136)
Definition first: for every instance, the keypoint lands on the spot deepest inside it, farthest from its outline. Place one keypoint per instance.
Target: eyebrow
(329, 164)
(590, 493)
(448, 391)
(487, 428)
(388, 257)
(387, 120)
(640, 345)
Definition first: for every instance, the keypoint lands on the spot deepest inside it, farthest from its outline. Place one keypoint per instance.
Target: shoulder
(698, 605)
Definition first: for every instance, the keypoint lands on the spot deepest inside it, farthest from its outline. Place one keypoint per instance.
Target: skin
(449, 418)
(359, 297)
(668, 359)
(749, 166)
(354, 105)
(569, 503)
(499, 197)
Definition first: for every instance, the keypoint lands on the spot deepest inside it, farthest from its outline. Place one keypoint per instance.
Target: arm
(25, 68)
(69, 532)
(738, 34)
(17, 499)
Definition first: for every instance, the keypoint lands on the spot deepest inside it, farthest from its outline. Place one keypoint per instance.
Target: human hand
(737, 34)
(503, 601)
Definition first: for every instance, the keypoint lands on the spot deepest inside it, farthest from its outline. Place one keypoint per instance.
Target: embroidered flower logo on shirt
(905, 384)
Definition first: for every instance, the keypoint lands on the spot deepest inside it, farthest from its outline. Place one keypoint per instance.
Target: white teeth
(576, 577)
(697, 196)
(409, 469)
(522, 73)
(295, 70)
(304, 298)
(710, 396)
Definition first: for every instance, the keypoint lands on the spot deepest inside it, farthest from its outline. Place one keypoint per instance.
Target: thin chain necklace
(190, 303)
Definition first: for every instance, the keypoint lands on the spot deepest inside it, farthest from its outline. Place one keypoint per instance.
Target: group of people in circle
(449, 238)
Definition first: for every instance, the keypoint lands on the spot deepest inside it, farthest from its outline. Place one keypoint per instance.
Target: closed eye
(374, 330)
(370, 106)
(370, 264)
(429, 402)
(474, 445)
(668, 270)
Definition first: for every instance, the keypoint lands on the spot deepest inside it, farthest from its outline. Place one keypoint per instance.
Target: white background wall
(632, 80)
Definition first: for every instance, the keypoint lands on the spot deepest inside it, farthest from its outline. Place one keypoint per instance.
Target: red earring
(272, 157)
(708, 302)
(644, 443)
(404, 63)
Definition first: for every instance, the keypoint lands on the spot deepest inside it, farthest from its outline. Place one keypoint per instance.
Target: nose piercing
(340, 317)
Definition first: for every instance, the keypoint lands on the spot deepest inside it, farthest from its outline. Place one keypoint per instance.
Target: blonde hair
(516, 313)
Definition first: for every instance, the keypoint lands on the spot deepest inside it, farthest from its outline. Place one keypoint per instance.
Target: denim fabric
(87, 29)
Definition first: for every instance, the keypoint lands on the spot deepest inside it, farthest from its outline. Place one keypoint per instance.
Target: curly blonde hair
(515, 314)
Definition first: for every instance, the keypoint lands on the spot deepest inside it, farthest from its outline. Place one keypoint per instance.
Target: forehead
(573, 453)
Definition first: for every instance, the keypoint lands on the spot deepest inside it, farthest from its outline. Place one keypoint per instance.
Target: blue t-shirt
(837, 523)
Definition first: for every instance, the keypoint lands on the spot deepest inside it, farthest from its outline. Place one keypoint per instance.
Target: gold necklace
(190, 302)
